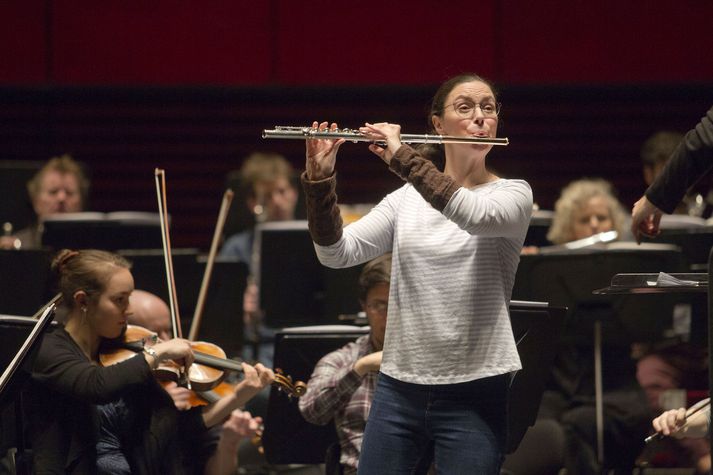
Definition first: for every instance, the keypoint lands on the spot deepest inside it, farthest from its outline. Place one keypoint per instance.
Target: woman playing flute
(455, 231)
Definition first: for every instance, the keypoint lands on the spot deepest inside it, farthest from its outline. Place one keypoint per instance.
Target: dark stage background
(188, 86)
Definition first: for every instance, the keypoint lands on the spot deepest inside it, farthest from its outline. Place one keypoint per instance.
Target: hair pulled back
(88, 270)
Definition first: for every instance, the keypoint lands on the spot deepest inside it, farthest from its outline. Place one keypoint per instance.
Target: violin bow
(160, 176)
(200, 304)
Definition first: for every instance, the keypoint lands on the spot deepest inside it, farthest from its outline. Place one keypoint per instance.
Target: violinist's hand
(322, 154)
(383, 132)
(368, 363)
(176, 349)
(256, 378)
(645, 219)
(240, 425)
(670, 422)
(181, 396)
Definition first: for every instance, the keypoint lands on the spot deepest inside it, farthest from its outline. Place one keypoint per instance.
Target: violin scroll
(284, 383)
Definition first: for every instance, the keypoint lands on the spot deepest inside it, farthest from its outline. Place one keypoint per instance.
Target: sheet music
(667, 280)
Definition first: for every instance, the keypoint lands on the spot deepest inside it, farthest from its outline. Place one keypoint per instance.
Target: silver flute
(352, 135)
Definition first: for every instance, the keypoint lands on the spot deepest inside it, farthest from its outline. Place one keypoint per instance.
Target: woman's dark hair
(87, 270)
(435, 152)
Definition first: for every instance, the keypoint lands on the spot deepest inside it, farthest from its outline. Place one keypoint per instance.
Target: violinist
(151, 312)
(688, 427)
(68, 381)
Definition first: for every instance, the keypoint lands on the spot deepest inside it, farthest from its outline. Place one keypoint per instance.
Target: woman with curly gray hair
(586, 207)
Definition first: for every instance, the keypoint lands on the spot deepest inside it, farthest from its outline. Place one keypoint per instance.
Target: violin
(212, 356)
(135, 338)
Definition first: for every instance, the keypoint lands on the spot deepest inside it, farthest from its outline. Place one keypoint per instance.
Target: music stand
(20, 339)
(25, 280)
(695, 243)
(534, 325)
(288, 438)
(108, 231)
(295, 288)
(568, 279)
(289, 275)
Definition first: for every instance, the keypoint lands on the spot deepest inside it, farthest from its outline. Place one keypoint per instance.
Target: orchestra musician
(342, 384)
(586, 207)
(68, 381)
(268, 179)
(60, 186)
(455, 234)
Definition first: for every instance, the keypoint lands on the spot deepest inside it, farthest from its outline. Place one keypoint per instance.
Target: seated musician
(585, 207)
(151, 312)
(60, 186)
(665, 367)
(342, 384)
(566, 420)
(269, 181)
(68, 381)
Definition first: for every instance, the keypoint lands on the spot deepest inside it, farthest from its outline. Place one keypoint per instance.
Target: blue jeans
(465, 423)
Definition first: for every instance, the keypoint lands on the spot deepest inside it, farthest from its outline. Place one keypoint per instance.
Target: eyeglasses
(466, 109)
(378, 307)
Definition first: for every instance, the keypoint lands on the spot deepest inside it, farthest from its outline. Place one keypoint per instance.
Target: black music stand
(288, 438)
(25, 280)
(568, 278)
(646, 284)
(20, 339)
(108, 231)
(295, 289)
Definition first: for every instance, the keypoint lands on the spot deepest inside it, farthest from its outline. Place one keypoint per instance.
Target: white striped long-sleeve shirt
(451, 279)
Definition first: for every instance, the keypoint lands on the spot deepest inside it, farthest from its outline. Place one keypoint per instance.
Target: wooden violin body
(204, 375)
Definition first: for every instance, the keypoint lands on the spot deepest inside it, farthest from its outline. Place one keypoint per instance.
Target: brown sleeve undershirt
(435, 186)
(325, 221)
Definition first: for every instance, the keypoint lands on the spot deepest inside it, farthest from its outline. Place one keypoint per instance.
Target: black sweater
(62, 415)
(690, 161)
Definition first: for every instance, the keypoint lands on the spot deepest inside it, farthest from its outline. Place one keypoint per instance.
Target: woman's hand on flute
(322, 154)
(383, 132)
